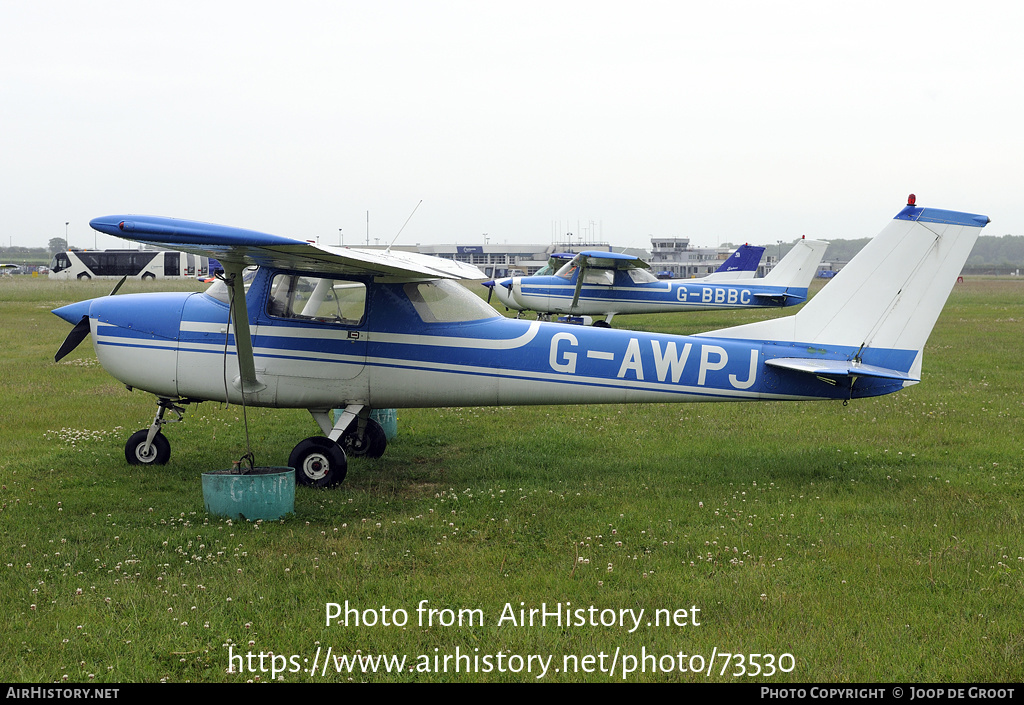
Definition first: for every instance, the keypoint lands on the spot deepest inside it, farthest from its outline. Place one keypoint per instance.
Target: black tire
(318, 462)
(148, 277)
(159, 450)
(372, 445)
(84, 275)
(602, 324)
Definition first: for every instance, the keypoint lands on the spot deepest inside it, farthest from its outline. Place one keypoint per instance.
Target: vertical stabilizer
(742, 264)
(890, 295)
(799, 266)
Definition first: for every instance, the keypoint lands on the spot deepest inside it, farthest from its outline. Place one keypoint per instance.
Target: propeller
(74, 339)
(490, 289)
(81, 330)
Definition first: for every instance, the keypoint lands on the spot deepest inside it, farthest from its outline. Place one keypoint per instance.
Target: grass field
(879, 541)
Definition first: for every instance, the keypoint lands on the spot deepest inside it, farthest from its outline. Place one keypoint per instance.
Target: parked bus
(136, 264)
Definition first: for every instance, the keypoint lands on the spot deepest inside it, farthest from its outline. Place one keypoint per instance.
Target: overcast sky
(718, 121)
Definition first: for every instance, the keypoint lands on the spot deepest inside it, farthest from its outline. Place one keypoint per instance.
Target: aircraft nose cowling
(156, 314)
(73, 313)
(501, 288)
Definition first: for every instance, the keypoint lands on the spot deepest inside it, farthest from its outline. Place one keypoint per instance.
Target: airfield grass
(880, 541)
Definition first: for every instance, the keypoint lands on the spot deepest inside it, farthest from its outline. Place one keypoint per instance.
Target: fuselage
(614, 291)
(324, 343)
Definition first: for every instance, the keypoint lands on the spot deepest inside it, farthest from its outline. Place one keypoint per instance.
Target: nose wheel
(318, 462)
(149, 446)
(138, 452)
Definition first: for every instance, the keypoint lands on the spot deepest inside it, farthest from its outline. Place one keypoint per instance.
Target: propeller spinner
(82, 328)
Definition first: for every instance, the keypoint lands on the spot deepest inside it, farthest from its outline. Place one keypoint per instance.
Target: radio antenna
(388, 249)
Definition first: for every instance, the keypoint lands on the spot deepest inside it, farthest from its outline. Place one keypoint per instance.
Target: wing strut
(579, 282)
(247, 381)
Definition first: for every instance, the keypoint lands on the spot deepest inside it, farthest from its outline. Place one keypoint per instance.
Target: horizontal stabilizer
(781, 295)
(838, 368)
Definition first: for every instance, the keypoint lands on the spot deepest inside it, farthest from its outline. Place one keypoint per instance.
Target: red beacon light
(911, 200)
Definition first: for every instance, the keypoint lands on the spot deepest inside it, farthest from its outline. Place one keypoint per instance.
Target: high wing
(599, 259)
(249, 247)
(237, 248)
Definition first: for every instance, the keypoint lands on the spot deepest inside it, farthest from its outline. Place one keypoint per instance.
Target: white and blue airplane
(319, 328)
(596, 283)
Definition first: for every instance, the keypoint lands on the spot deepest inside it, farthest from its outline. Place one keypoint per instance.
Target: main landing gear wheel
(135, 449)
(371, 445)
(318, 462)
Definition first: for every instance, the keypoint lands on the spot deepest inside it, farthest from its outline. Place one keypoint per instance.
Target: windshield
(568, 270)
(219, 290)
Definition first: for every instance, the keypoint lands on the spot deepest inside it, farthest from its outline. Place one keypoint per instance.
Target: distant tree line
(991, 254)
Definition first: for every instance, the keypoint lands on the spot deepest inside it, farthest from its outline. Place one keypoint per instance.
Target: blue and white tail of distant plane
(883, 305)
(741, 264)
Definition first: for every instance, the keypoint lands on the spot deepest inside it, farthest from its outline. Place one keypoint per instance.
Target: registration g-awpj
(320, 328)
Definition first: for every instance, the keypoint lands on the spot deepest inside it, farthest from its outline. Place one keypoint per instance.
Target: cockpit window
(641, 276)
(219, 290)
(444, 301)
(605, 277)
(317, 299)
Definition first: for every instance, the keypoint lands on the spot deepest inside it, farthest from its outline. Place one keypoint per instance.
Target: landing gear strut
(149, 446)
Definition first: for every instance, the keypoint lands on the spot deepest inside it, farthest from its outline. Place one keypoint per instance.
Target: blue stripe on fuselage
(711, 295)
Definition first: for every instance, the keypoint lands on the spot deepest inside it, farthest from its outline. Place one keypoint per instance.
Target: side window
(444, 301)
(605, 277)
(641, 276)
(317, 299)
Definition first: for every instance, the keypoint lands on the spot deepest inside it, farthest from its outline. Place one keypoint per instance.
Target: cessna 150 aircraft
(741, 264)
(597, 283)
(325, 327)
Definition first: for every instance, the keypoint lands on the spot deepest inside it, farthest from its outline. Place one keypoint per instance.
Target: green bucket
(387, 418)
(261, 493)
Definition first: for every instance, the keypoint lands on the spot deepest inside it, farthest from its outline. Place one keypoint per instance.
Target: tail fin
(741, 264)
(799, 266)
(890, 295)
